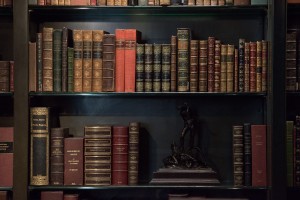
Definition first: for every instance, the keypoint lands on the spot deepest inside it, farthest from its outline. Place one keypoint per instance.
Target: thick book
(57, 58)
(230, 68)
(289, 152)
(66, 43)
(109, 65)
(156, 68)
(132, 36)
(217, 66)
(259, 155)
(73, 161)
(148, 67)
(52, 195)
(238, 155)
(78, 48)
(6, 156)
(247, 155)
(97, 60)
(194, 65)
(32, 67)
(87, 65)
(241, 68)
(211, 64)
(203, 65)
(253, 62)
(120, 60)
(223, 78)
(47, 54)
(133, 153)
(120, 155)
(70, 70)
(258, 65)
(39, 61)
(140, 68)
(173, 63)
(166, 68)
(39, 145)
(4, 76)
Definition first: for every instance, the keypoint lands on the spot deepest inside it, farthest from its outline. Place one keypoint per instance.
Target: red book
(131, 38)
(73, 161)
(120, 155)
(120, 60)
(6, 156)
(93, 2)
(52, 195)
(259, 157)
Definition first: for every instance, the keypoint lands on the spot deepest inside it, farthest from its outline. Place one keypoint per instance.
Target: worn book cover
(6, 156)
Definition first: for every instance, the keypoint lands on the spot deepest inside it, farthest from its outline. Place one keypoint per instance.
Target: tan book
(199, 2)
(87, 61)
(206, 2)
(223, 78)
(214, 2)
(230, 68)
(236, 71)
(67, 2)
(54, 2)
(97, 60)
(101, 2)
(221, 2)
(191, 2)
(78, 45)
(110, 2)
(61, 2)
(124, 3)
(117, 2)
(194, 65)
(47, 59)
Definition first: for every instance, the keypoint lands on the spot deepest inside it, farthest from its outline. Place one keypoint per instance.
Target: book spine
(214, 2)
(87, 61)
(238, 156)
(47, 59)
(32, 67)
(148, 67)
(64, 61)
(4, 76)
(221, 2)
(61, 2)
(97, 60)
(73, 161)
(217, 66)
(194, 65)
(291, 61)
(11, 76)
(39, 146)
(166, 2)
(6, 156)
(70, 69)
(130, 2)
(241, 2)
(80, 2)
(247, 68)
(191, 2)
(199, 2)
(173, 63)
(142, 2)
(39, 62)
(131, 38)
(236, 71)
(54, 2)
(289, 152)
(258, 65)
(4, 195)
(207, 2)
(229, 2)
(48, 2)
(71, 196)
(117, 2)
(78, 47)
(133, 153)
(67, 2)
(93, 2)
(41, 2)
(108, 73)
(156, 68)
(223, 79)
(57, 58)
(264, 72)
(211, 64)
(241, 67)
(253, 66)
(166, 68)
(247, 155)
(140, 68)
(48, 195)
(203, 64)
(183, 38)
(296, 156)
(120, 60)
(110, 2)
(101, 2)
(230, 68)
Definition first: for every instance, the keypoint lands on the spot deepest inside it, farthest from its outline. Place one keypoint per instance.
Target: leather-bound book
(291, 60)
(41, 2)
(203, 58)
(66, 43)
(78, 51)
(211, 64)
(52, 195)
(87, 69)
(4, 195)
(241, 2)
(253, 62)
(97, 60)
(213, 2)
(57, 58)
(73, 161)
(80, 2)
(296, 157)
(199, 2)
(165, 2)
(173, 63)
(230, 67)
(238, 156)
(241, 65)
(11, 76)
(236, 71)
(101, 2)
(4, 76)
(258, 65)
(48, 2)
(289, 152)
(57, 136)
(39, 145)
(183, 38)
(39, 61)
(67, 2)
(93, 2)
(132, 36)
(264, 64)
(117, 2)
(259, 155)
(108, 74)
(97, 153)
(32, 67)
(191, 2)
(120, 155)
(70, 69)
(54, 2)
(71, 196)
(148, 67)
(140, 68)
(110, 2)
(156, 68)
(120, 60)
(194, 65)
(217, 76)
(206, 2)
(247, 155)
(229, 2)
(247, 68)
(133, 153)
(47, 59)
(221, 2)
(166, 68)
(223, 78)
(6, 156)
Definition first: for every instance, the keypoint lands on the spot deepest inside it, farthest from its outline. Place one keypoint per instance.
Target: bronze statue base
(177, 176)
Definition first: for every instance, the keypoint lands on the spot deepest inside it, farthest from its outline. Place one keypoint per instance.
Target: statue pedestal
(176, 176)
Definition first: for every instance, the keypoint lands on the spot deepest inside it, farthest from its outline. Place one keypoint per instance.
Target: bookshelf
(157, 112)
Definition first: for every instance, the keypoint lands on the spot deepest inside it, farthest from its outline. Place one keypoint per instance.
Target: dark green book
(148, 67)
(39, 61)
(57, 58)
(166, 68)
(140, 69)
(247, 155)
(66, 42)
(70, 69)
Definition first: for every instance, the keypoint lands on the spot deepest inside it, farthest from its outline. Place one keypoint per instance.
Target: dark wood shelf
(6, 188)
(6, 11)
(6, 94)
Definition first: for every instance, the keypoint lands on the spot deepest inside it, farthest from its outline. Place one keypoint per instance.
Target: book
(166, 68)
(223, 78)
(211, 64)
(264, 64)
(108, 72)
(156, 83)
(247, 68)
(230, 68)
(173, 63)
(78, 48)
(194, 65)
(133, 153)
(258, 65)
(101, 2)
(32, 67)
(247, 155)
(140, 68)
(199, 2)
(4, 195)
(132, 36)
(71, 196)
(57, 136)
(66, 58)
(47, 56)
(79, 2)
(6, 156)
(70, 70)
(259, 160)
(97, 60)
(39, 61)
(11, 76)
(217, 67)
(4, 76)
(203, 65)
(296, 149)
(57, 58)
(39, 145)
(241, 2)
(51, 195)
(290, 152)
(291, 60)
(238, 155)
(206, 2)
(253, 62)
(87, 69)
(236, 71)
(148, 67)
(120, 155)
(73, 161)
(241, 65)
(120, 60)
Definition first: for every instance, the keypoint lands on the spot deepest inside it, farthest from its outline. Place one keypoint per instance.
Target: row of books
(249, 155)
(106, 155)
(192, 197)
(58, 195)
(139, 2)
(6, 3)
(6, 156)
(64, 60)
(293, 152)
(6, 76)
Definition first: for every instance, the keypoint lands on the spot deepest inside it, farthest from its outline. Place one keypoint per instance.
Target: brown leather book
(67, 2)
(133, 153)
(47, 59)
(6, 156)
(11, 76)
(258, 65)
(247, 68)
(120, 60)
(166, 68)
(4, 195)
(78, 46)
(211, 64)
(221, 2)
(213, 2)
(264, 72)
(97, 60)
(4, 76)
(109, 65)
(51, 195)
(206, 2)
(71, 196)
(194, 65)
(238, 155)
(101, 2)
(66, 42)
(203, 58)
(173, 63)
(242, 2)
(230, 68)
(236, 71)
(223, 78)
(32, 67)
(54, 2)
(241, 65)
(87, 64)
(199, 2)
(7, 2)
(217, 76)
(73, 161)
(156, 68)
(80, 2)
(110, 2)
(253, 62)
